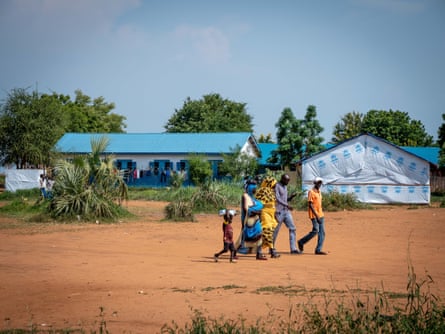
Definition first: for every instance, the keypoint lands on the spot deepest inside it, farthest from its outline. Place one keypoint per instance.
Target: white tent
(17, 179)
(373, 169)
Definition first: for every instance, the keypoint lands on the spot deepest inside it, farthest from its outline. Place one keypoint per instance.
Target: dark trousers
(228, 246)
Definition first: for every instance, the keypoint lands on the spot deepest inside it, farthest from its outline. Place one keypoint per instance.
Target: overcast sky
(149, 56)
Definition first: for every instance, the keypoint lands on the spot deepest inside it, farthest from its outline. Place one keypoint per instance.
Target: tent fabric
(372, 169)
(17, 179)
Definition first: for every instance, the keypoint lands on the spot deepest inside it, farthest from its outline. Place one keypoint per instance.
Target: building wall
(155, 170)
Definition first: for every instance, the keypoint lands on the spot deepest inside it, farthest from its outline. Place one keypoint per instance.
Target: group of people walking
(264, 209)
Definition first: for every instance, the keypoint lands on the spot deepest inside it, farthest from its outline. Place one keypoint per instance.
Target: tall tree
(311, 132)
(289, 139)
(91, 115)
(30, 125)
(441, 143)
(396, 127)
(297, 138)
(441, 133)
(210, 114)
(349, 126)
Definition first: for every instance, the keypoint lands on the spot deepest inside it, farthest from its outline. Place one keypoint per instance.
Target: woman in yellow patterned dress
(266, 194)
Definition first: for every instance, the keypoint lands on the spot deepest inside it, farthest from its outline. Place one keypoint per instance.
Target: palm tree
(89, 187)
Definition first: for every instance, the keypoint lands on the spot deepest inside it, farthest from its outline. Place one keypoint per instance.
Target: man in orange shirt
(315, 211)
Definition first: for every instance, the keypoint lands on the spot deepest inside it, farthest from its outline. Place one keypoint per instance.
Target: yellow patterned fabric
(268, 182)
(268, 237)
(266, 194)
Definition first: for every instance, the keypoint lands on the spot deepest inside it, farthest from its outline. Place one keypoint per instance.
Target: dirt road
(146, 272)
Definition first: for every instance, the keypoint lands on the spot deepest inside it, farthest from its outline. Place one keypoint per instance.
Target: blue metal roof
(156, 143)
(266, 150)
(431, 154)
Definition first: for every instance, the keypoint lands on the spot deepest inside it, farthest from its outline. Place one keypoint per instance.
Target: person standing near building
(315, 211)
(283, 213)
(42, 183)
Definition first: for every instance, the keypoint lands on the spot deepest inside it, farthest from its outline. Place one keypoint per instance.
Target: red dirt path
(146, 273)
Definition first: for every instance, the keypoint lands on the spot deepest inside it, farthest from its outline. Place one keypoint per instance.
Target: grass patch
(423, 313)
(232, 286)
(289, 290)
(182, 290)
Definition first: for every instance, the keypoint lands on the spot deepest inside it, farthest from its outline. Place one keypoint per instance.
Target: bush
(334, 201)
(179, 211)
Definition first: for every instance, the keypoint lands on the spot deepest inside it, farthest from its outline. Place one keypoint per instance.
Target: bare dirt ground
(147, 272)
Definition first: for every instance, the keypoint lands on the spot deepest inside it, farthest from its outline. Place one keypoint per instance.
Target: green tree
(30, 126)
(441, 142)
(289, 139)
(311, 132)
(89, 187)
(200, 170)
(210, 114)
(297, 138)
(238, 164)
(91, 115)
(349, 126)
(396, 127)
(265, 138)
(31, 123)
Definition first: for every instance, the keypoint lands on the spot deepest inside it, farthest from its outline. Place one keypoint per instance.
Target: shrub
(179, 211)
(89, 187)
(334, 201)
(209, 197)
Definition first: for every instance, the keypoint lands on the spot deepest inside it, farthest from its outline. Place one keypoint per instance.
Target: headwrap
(251, 188)
(268, 182)
(266, 193)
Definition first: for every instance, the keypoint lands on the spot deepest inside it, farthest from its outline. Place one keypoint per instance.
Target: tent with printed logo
(373, 169)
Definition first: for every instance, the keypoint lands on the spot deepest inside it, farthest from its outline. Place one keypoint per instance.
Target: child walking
(227, 235)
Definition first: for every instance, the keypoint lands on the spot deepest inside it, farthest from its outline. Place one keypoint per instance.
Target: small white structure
(373, 169)
(17, 179)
